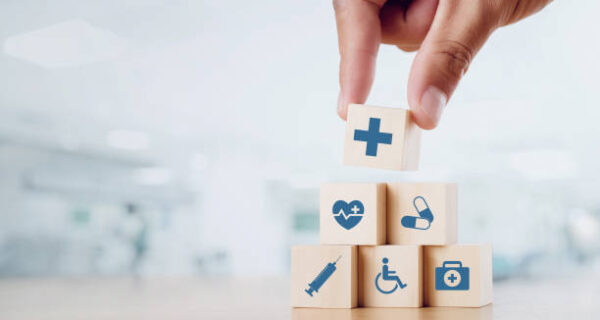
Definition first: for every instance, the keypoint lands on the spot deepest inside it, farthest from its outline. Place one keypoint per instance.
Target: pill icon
(415, 223)
(423, 221)
(423, 208)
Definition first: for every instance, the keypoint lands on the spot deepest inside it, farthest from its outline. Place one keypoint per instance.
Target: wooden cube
(324, 276)
(458, 275)
(380, 137)
(376, 284)
(421, 213)
(352, 213)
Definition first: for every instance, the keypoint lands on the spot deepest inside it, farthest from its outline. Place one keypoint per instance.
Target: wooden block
(458, 275)
(319, 281)
(379, 137)
(352, 213)
(376, 291)
(409, 221)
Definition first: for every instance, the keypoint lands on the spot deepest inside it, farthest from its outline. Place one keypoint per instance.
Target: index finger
(359, 35)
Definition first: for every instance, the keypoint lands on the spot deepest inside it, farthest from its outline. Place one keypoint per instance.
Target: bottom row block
(458, 275)
(391, 276)
(324, 276)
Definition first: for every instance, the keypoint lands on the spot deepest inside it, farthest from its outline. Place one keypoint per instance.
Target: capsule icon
(423, 208)
(423, 221)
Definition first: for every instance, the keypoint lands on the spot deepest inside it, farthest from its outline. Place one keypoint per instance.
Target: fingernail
(433, 102)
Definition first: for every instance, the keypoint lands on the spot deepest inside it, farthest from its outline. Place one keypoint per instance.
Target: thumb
(457, 32)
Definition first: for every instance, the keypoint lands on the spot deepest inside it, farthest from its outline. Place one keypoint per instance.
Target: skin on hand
(446, 33)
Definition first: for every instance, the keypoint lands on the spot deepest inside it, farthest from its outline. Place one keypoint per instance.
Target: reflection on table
(446, 313)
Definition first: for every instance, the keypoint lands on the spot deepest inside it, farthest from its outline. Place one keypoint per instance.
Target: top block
(379, 137)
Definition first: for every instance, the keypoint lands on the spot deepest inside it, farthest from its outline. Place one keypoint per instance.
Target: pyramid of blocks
(388, 244)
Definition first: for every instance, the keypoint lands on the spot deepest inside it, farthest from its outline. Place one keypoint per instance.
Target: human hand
(447, 33)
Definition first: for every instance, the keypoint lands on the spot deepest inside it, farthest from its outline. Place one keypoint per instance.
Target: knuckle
(456, 58)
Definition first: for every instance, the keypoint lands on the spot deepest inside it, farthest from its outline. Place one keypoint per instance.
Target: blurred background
(190, 137)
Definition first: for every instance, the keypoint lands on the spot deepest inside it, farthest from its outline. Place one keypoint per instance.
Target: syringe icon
(316, 284)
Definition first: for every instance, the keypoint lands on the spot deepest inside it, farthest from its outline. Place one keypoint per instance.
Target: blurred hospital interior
(189, 138)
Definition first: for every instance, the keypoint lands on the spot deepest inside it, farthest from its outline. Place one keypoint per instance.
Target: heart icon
(348, 215)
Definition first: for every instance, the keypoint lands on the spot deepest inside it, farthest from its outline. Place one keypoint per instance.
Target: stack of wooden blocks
(388, 244)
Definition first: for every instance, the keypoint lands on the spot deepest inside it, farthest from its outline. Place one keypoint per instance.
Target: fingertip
(423, 121)
(342, 114)
(342, 109)
(426, 99)
(428, 111)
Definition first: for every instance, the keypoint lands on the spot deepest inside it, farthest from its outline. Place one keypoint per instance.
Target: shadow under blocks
(389, 244)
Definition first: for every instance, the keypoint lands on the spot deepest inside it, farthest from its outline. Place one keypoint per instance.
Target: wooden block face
(319, 281)
(421, 213)
(352, 213)
(458, 275)
(379, 265)
(379, 137)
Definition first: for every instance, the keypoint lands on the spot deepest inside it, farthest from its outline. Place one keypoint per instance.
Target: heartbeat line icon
(346, 215)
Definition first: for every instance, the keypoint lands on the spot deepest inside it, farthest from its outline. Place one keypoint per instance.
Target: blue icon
(425, 218)
(388, 275)
(452, 276)
(348, 215)
(373, 137)
(316, 284)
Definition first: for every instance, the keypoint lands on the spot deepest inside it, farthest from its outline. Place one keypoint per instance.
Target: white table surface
(268, 298)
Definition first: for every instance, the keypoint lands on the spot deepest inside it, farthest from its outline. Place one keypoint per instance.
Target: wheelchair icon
(388, 275)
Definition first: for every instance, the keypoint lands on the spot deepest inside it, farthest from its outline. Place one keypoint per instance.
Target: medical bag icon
(452, 276)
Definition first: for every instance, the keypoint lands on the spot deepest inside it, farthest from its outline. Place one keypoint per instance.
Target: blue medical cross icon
(373, 137)
(452, 278)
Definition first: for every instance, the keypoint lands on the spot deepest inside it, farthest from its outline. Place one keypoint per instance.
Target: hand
(447, 33)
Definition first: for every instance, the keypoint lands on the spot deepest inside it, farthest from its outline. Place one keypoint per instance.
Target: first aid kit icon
(452, 276)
